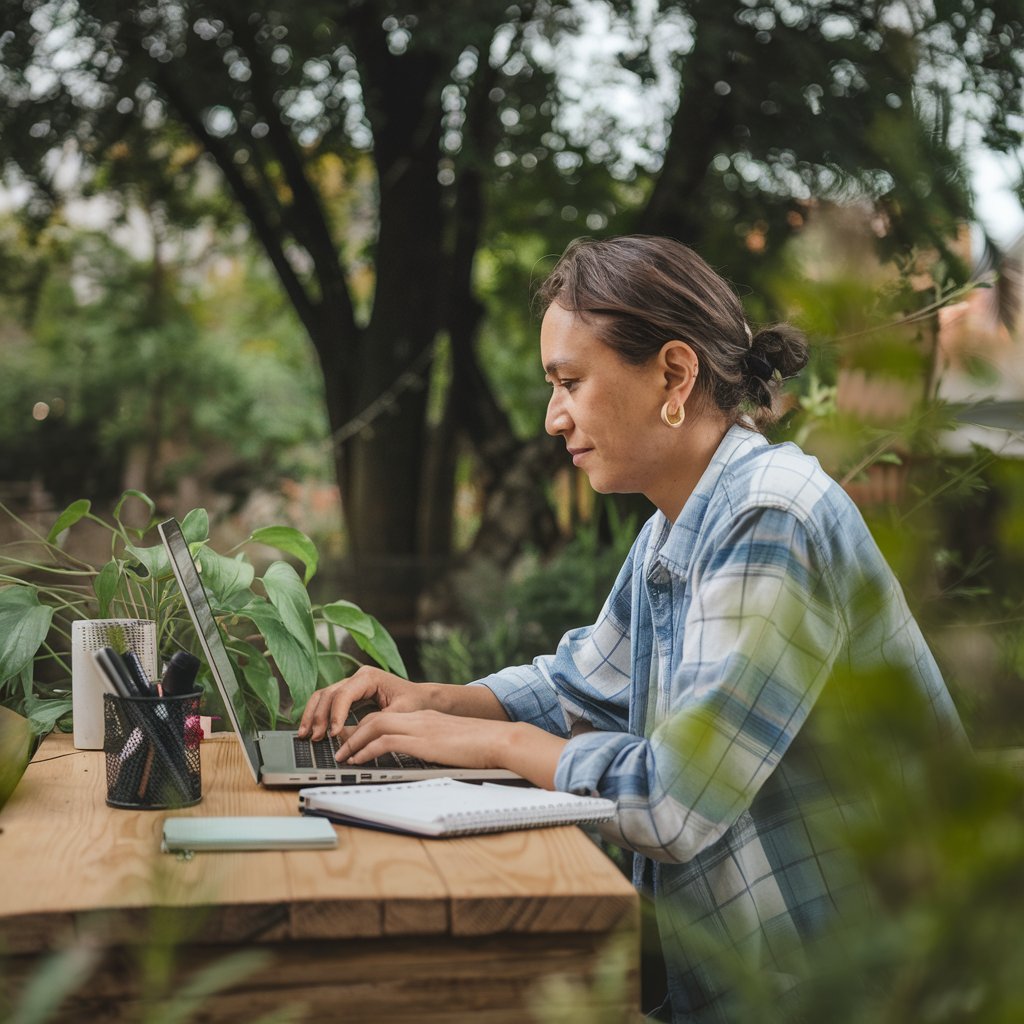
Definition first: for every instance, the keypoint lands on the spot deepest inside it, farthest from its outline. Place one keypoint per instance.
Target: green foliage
(128, 362)
(785, 105)
(16, 743)
(558, 999)
(56, 978)
(939, 839)
(871, 408)
(165, 997)
(278, 639)
(511, 618)
(372, 201)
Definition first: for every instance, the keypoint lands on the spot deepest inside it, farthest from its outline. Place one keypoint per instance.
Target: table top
(65, 854)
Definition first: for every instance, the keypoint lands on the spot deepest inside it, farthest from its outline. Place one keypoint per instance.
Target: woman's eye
(569, 385)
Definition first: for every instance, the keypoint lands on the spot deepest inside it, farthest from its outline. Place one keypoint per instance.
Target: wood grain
(431, 930)
(492, 980)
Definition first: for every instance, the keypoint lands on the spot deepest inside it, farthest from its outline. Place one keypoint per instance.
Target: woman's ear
(678, 364)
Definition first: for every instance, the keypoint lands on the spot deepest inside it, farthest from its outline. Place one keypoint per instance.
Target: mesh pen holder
(152, 751)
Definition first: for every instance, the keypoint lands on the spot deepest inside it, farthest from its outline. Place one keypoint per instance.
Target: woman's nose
(556, 420)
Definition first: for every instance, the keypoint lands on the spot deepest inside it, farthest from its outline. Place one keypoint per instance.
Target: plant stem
(924, 313)
(35, 533)
(971, 470)
(868, 459)
(339, 654)
(48, 568)
(58, 657)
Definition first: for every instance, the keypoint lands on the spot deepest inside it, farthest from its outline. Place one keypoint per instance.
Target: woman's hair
(639, 291)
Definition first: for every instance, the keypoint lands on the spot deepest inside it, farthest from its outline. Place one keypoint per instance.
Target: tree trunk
(381, 465)
(698, 130)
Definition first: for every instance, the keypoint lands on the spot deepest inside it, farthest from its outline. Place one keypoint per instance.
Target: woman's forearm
(466, 701)
(531, 753)
(522, 748)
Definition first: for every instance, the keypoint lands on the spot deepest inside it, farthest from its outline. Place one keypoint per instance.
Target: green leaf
(295, 659)
(105, 586)
(387, 646)
(224, 578)
(116, 637)
(370, 636)
(192, 999)
(43, 715)
(57, 977)
(24, 623)
(26, 683)
(72, 514)
(333, 665)
(349, 616)
(195, 527)
(145, 499)
(292, 542)
(382, 649)
(1007, 415)
(259, 678)
(15, 751)
(289, 597)
(153, 559)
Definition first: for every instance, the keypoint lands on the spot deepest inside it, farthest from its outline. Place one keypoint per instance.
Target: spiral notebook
(447, 807)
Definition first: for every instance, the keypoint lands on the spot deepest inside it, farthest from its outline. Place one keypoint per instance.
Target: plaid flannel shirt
(705, 662)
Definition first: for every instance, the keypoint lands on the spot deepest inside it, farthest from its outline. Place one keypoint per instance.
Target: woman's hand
(327, 709)
(457, 741)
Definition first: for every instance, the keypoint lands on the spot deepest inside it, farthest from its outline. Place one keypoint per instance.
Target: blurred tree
(458, 106)
(784, 104)
(269, 95)
(122, 371)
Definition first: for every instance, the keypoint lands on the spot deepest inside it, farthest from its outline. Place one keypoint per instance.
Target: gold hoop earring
(673, 419)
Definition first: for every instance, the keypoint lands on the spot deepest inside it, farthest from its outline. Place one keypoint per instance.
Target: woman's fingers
(431, 735)
(457, 741)
(372, 730)
(309, 712)
(328, 708)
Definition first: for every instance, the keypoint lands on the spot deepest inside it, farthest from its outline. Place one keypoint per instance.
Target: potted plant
(283, 646)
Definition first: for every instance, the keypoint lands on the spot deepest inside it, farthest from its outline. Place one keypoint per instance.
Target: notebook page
(450, 807)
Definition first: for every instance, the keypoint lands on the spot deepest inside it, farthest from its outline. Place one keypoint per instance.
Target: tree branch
(305, 216)
(305, 306)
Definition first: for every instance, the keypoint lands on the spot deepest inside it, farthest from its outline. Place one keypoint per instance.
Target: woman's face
(606, 410)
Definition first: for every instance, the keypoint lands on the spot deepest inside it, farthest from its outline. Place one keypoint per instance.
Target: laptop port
(330, 778)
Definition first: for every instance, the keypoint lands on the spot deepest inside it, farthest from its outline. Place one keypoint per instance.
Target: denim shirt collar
(677, 547)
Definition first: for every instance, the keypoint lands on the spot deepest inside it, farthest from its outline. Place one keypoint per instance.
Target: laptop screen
(198, 605)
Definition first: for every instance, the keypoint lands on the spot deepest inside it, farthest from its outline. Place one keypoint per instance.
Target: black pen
(179, 674)
(138, 674)
(109, 662)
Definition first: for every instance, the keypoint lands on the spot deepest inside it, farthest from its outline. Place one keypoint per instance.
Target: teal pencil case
(247, 833)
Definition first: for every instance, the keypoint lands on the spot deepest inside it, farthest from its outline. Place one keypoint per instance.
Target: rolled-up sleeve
(527, 694)
(588, 678)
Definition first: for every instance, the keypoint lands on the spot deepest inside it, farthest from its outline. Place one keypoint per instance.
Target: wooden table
(383, 928)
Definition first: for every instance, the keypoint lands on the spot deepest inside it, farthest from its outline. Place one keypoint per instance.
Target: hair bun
(757, 366)
(781, 347)
(775, 353)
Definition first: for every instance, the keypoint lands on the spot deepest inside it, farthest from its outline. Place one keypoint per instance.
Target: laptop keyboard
(320, 753)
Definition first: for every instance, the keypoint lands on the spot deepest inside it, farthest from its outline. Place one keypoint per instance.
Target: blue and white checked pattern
(738, 613)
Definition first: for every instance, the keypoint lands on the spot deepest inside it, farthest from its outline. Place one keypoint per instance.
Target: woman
(754, 583)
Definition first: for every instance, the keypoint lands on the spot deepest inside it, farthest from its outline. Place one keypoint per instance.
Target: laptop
(278, 757)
